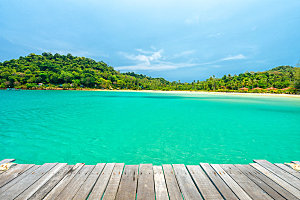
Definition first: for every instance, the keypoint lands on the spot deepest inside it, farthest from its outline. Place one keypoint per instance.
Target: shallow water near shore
(137, 127)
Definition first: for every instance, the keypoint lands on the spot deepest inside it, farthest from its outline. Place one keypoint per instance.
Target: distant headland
(59, 72)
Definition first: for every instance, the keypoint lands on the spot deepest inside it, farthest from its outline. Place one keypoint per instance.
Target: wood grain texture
(100, 185)
(51, 183)
(14, 172)
(73, 186)
(34, 187)
(128, 184)
(296, 162)
(172, 184)
(276, 179)
(239, 192)
(18, 178)
(27, 181)
(254, 191)
(280, 173)
(186, 184)
(223, 188)
(89, 183)
(64, 182)
(113, 184)
(6, 161)
(161, 192)
(145, 190)
(288, 169)
(251, 173)
(205, 186)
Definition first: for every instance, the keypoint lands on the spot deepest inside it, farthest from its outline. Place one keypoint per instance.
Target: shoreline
(180, 92)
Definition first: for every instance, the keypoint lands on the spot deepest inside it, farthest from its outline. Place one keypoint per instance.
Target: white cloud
(156, 67)
(236, 57)
(153, 60)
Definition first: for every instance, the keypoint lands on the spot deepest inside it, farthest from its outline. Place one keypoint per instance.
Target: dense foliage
(48, 71)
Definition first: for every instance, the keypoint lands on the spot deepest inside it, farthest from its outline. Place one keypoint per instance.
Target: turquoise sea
(137, 127)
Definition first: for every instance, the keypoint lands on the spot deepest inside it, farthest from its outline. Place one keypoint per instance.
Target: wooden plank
(64, 182)
(34, 187)
(70, 190)
(145, 188)
(128, 184)
(296, 162)
(51, 183)
(113, 184)
(12, 173)
(186, 184)
(23, 184)
(265, 183)
(161, 192)
(100, 185)
(203, 183)
(239, 192)
(288, 169)
(280, 173)
(18, 178)
(254, 191)
(223, 188)
(172, 185)
(276, 179)
(89, 183)
(6, 161)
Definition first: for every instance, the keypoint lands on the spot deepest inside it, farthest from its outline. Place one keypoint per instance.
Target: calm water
(91, 127)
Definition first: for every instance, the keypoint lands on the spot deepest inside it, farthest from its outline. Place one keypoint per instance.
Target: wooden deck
(258, 180)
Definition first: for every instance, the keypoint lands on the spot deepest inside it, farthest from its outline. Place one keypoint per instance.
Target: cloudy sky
(179, 40)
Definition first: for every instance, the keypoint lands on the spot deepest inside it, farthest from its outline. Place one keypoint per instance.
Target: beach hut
(257, 88)
(244, 89)
(286, 88)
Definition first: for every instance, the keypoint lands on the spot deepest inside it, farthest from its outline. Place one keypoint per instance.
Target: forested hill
(67, 71)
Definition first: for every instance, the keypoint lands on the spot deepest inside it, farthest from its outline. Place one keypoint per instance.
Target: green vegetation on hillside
(48, 71)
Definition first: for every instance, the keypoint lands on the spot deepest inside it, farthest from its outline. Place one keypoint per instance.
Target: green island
(48, 71)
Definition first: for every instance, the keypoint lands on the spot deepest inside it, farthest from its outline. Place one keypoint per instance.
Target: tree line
(48, 71)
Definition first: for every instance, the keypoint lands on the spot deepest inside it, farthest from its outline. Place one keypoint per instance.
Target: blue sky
(178, 40)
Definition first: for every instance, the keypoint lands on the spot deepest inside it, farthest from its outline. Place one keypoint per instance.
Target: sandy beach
(203, 92)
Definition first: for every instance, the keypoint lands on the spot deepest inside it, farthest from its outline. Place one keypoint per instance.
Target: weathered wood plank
(51, 183)
(276, 179)
(161, 192)
(13, 173)
(231, 183)
(172, 184)
(6, 161)
(64, 182)
(280, 173)
(186, 184)
(18, 178)
(223, 188)
(39, 183)
(250, 172)
(145, 188)
(23, 184)
(288, 169)
(73, 186)
(205, 186)
(128, 184)
(100, 185)
(113, 184)
(89, 183)
(296, 162)
(245, 183)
